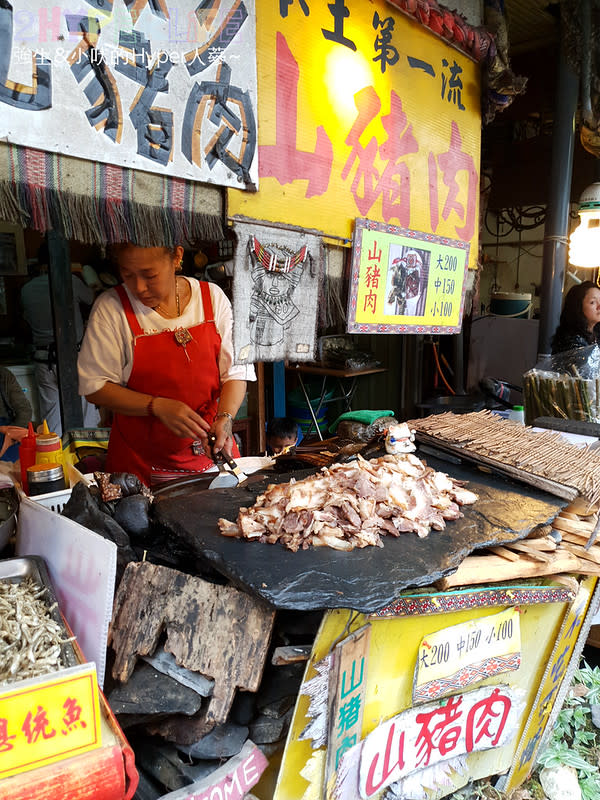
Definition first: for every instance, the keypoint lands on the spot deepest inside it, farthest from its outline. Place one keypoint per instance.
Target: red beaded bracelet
(149, 408)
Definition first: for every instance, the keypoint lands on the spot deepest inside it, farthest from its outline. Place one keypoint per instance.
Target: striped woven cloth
(100, 203)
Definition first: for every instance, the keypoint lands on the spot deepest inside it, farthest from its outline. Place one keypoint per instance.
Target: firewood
(216, 630)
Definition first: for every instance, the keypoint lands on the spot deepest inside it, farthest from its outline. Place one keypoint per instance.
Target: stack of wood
(191, 682)
(569, 545)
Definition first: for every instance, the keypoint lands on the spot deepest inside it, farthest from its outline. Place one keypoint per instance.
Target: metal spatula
(225, 478)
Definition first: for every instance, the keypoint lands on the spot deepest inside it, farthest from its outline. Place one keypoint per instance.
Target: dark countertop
(364, 579)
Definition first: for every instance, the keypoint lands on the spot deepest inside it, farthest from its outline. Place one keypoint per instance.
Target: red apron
(143, 445)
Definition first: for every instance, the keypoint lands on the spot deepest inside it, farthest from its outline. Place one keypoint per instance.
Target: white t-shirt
(107, 350)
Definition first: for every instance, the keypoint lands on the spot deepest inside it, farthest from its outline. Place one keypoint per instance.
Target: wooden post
(65, 336)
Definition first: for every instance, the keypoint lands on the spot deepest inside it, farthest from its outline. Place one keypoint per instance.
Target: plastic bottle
(49, 450)
(517, 414)
(27, 455)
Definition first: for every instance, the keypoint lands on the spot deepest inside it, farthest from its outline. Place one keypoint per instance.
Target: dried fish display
(30, 640)
(545, 454)
(350, 505)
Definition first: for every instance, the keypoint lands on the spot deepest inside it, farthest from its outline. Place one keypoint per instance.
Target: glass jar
(44, 478)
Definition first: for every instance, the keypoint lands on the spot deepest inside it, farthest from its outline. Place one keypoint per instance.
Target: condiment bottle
(517, 414)
(49, 449)
(44, 478)
(27, 455)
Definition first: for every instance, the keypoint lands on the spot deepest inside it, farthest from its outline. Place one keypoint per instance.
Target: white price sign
(460, 655)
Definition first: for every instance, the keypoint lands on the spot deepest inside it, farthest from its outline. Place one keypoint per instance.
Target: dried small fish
(30, 639)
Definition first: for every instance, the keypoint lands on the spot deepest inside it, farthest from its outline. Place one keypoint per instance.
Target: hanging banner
(404, 281)
(363, 113)
(164, 86)
(275, 293)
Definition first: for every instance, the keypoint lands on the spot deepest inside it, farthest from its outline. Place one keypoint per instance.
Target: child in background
(282, 433)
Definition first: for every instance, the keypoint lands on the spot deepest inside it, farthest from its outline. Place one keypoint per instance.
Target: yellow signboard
(363, 113)
(393, 651)
(550, 684)
(46, 719)
(405, 282)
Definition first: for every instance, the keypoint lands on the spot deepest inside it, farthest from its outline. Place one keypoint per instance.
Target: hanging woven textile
(100, 203)
(277, 277)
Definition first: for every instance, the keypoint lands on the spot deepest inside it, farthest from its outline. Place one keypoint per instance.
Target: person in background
(579, 324)
(282, 433)
(37, 310)
(15, 410)
(158, 352)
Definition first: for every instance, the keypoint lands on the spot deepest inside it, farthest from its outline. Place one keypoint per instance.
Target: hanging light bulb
(584, 245)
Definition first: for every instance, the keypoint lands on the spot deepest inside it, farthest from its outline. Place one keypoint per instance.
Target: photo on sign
(408, 270)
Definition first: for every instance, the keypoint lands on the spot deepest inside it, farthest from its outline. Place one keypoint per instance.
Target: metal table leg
(310, 407)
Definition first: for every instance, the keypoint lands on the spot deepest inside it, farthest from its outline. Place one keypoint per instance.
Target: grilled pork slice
(352, 505)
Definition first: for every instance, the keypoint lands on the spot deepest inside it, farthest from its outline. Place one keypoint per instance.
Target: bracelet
(149, 408)
(224, 414)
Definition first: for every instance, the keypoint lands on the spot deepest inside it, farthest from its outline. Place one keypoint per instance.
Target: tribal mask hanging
(275, 293)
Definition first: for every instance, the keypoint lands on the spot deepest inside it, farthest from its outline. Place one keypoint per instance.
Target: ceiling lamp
(584, 246)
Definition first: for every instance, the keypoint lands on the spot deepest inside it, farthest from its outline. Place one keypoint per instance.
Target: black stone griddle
(364, 579)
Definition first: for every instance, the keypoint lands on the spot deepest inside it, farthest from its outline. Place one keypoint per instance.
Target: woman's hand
(222, 430)
(182, 420)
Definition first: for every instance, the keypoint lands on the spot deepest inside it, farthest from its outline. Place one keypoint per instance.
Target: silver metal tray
(16, 570)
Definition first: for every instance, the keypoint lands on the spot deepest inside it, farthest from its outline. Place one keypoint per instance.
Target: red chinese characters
(371, 279)
(423, 736)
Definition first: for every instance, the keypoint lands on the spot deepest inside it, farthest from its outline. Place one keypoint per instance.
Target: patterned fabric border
(443, 604)
(100, 203)
(466, 676)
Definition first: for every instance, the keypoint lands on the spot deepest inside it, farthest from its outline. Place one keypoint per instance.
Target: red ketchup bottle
(27, 452)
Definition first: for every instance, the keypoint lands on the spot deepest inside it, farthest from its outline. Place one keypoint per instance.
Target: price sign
(46, 719)
(405, 281)
(463, 654)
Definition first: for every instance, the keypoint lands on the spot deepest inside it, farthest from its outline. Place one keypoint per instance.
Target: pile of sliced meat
(350, 505)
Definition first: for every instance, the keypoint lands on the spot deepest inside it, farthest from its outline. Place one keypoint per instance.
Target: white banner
(164, 86)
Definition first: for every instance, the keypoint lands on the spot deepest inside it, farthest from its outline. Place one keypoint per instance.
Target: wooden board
(491, 568)
(533, 557)
(216, 630)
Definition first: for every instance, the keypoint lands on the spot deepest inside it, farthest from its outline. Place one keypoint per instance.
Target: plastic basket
(55, 501)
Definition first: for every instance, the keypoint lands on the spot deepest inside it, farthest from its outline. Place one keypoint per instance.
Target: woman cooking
(579, 324)
(158, 353)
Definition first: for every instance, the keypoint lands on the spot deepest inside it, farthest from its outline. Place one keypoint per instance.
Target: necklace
(161, 310)
(181, 335)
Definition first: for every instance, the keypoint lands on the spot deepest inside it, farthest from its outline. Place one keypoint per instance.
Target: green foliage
(590, 678)
(575, 741)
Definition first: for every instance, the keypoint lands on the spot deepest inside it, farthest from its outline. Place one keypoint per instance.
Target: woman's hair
(114, 250)
(572, 319)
